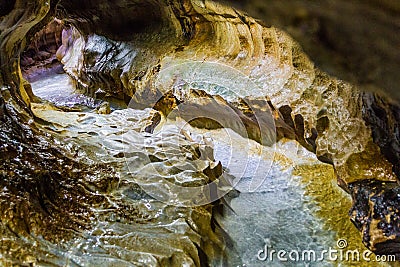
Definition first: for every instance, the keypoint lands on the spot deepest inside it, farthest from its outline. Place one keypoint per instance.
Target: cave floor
(59, 91)
(288, 199)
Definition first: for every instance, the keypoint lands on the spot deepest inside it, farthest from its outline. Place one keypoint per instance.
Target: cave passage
(39, 59)
(41, 65)
(181, 133)
(99, 136)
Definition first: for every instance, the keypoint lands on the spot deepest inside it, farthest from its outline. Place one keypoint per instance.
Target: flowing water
(287, 199)
(59, 90)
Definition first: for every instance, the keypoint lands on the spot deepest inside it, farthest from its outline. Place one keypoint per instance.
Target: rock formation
(121, 50)
(352, 41)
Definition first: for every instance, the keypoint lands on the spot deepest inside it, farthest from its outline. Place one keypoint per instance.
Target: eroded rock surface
(354, 41)
(327, 116)
(324, 114)
(376, 213)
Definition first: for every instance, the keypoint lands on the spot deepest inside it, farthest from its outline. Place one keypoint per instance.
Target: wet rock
(155, 120)
(375, 212)
(104, 108)
(26, 61)
(203, 110)
(39, 216)
(324, 114)
(47, 39)
(44, 44)
(383, 117)
(268, 56)
(41, 56)
(35, 178)
(353, 41)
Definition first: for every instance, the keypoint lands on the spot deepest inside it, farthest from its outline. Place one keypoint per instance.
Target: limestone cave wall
(116, 49)
(354, 41)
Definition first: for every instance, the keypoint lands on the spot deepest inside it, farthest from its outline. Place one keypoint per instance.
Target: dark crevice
(133, 19)
(383, 117)
(6, 6)
(202, 257)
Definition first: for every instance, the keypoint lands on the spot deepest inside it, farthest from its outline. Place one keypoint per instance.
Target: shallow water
(59, 90)
(146, 223)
